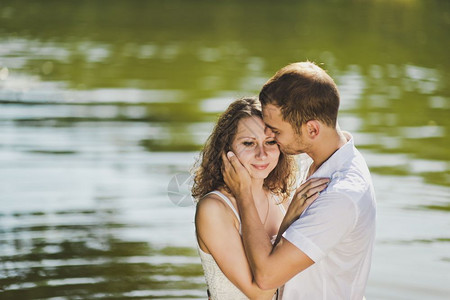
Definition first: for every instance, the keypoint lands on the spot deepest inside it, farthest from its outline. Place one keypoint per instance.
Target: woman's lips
(260, 167)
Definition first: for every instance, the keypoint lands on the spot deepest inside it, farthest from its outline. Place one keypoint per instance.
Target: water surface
(103, 103)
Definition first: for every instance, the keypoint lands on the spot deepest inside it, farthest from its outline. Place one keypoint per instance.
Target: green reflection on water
(90, 264)
(398, 48)
(444, 207)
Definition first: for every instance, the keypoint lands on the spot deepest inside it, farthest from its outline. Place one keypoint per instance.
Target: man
(326, 253)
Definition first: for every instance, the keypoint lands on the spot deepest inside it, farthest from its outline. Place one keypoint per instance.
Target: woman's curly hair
(208, 168)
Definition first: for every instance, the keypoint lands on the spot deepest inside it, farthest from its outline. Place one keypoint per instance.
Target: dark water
(104, 104)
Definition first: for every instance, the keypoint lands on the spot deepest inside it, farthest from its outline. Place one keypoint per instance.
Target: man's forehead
(271, 111)
(271, 115)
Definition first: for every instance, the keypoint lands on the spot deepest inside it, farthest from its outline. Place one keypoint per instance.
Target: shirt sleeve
(323, 225)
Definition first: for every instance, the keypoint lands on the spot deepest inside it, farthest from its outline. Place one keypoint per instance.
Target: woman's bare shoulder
(212, 211)
(211, 205)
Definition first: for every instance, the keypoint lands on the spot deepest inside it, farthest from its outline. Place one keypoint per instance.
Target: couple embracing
(262, 232)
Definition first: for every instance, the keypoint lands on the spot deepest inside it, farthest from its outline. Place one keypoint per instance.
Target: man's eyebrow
(271, 127)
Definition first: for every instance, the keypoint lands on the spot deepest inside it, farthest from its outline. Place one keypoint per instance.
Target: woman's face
(257, 151)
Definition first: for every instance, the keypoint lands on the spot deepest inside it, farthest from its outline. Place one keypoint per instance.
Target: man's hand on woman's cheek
(235, 175)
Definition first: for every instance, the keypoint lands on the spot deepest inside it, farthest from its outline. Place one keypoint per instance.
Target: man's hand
(235, 175)
(303, 197)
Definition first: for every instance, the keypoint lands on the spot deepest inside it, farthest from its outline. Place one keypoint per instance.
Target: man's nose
(269, 132)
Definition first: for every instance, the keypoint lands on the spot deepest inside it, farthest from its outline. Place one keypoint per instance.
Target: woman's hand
(303, 197)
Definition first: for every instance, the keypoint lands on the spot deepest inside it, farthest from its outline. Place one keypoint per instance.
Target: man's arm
(217, 233)
(271, 267)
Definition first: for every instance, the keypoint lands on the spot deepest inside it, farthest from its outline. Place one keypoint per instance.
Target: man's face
(288, 139)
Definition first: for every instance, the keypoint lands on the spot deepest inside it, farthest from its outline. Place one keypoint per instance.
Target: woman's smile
(260, 166)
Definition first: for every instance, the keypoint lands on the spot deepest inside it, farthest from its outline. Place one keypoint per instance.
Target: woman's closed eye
(251, 144)
(272, 142)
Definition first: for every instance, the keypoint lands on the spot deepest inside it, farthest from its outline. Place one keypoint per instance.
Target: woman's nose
(262, 154)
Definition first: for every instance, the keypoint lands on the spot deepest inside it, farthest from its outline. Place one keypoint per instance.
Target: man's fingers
(226, 163)
(227, 169)
(234, 161)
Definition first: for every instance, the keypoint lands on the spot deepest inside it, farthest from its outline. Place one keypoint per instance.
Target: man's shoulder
(353, 186)
(354, 176)
(332, 202)
(349, 181)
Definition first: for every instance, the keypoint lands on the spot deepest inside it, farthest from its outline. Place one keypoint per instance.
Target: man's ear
(313, 128)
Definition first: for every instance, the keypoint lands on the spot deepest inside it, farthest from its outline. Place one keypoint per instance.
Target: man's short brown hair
(303, 91)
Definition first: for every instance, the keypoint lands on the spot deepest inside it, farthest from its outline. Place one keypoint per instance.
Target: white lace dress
(219, 286)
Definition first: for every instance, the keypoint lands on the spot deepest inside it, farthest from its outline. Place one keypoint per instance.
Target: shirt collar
(333, 166)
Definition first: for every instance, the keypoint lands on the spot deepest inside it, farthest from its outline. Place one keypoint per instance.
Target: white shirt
(337, 232)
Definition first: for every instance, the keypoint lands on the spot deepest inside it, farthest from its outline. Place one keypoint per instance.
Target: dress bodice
(219, 286)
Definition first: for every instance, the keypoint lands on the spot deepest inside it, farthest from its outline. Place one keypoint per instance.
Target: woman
(240, 129)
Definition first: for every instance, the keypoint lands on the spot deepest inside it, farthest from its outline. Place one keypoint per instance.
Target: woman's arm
(304, 195)
(218, 234)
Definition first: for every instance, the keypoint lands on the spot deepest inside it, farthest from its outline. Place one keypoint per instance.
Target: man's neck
(329, 143)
